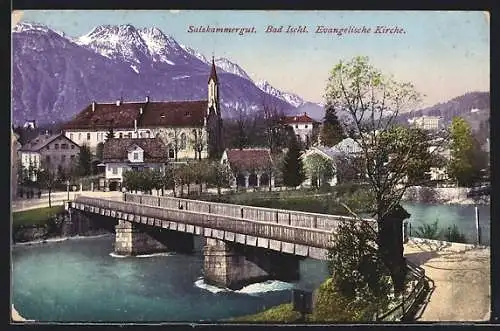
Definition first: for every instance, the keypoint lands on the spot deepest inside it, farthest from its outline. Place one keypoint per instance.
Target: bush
(38, 216)
(454, 235)
(429, 231)
(282, 314)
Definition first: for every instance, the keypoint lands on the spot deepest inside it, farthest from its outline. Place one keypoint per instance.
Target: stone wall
(131, 240)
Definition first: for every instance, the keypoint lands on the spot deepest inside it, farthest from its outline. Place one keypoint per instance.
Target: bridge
(243, 244)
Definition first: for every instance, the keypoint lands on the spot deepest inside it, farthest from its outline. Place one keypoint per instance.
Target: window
(171, 153)
(56, 146)
(121, 135)
(88, 136)
(71, 136)
(72, 157)
(136, 156)
(305, 126)
(72, 146)
(79, 136)
(130, 134)
(183, 141)
(142, 134)
(148, 134)
(47, 159)
(48, 147)
(296, 126)
(115, 170)
(64, 146)
(63, 158)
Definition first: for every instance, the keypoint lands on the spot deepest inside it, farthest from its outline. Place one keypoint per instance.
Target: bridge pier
(235, 266)
(136, 239)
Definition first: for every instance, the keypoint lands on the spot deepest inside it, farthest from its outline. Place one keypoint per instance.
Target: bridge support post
(130, 240)
(234, 266)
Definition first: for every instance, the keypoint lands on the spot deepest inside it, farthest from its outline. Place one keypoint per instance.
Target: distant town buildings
(249, 167)
(49, 151)
(189, 129)
(14, 150)
(31, 124)
(136, 154)
(426, 122)
(302, 126)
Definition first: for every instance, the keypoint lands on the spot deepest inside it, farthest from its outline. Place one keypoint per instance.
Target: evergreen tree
(99, 151)
(84, 160)
(331, 132)
(293, 168)
(110, 134)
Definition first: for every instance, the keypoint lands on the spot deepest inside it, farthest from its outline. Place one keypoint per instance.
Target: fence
(410, 302)
(280, 216)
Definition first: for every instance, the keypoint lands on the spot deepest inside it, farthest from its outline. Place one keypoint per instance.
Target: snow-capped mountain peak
(231, 67)
(29, 26)
(291, 98)
(196, 54)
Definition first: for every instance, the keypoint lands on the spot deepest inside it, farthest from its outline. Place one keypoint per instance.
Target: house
(317, 159)
(15, 146)
(49, 151)
(249, 167)
(302, 126)
(137, 154)
(426, 122)
(190, 129)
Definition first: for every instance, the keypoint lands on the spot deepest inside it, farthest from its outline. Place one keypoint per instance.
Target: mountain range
(55, 76)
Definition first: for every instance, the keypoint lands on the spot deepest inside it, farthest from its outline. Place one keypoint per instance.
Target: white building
(188, 128)
(426, 122)
(302, 126)
(136, 154)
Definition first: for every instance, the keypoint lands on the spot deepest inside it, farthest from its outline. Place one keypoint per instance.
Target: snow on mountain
(196, 54)
(291, 98)
(231, 68)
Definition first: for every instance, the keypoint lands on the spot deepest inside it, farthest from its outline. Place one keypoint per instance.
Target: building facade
(49, 151)
(302, 126)
(426, 122)
(15, 146)
(134, 154)
(250, 168)
(189, 129)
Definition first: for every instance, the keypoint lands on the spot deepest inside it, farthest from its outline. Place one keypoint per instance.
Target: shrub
(454, 235)
(429, 231)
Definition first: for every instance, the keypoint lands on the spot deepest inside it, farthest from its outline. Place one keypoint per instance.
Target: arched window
(183, 141)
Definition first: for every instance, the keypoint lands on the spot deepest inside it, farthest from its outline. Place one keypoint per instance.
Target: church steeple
(213, 89)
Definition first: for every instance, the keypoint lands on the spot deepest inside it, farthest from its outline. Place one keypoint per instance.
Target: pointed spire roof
(213, 72)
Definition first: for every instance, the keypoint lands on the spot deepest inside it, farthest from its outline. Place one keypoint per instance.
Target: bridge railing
(280, 216)
(288, 233)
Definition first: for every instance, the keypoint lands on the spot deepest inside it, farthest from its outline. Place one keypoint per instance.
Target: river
(81, 280)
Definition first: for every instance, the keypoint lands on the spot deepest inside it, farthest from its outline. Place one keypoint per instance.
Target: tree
(390, 153)
(84, 160)
(331, 132)
(293, 168)
(110, 134)
(157, 180)
(99, 151)
(272, 117)
(130, 180)
(219, 176)
(319, 169)
(46, 178)
(466, 155)
(198, 141)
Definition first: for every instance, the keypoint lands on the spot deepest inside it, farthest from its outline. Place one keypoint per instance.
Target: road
(461, 277)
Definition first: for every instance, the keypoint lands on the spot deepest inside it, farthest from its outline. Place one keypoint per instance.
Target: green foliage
(293, 167)
(38, 216)
(331, 132)
(467, 159)
(454, 235)
(110, 134)
(99, 151)
(429, 231)
(319, 168)
(357, 270)
(84, 160)
(281, 314)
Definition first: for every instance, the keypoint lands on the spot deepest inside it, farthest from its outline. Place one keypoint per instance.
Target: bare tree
(394, 157)
(198, 141)
(272, 116)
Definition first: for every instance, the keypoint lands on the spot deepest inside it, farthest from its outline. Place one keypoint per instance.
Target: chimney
(135, 125)
(305, 114)
(118, 102)
(93, 106)
(147, 98)
(140, 111)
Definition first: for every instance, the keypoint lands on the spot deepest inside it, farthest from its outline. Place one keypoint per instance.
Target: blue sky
(445, 54)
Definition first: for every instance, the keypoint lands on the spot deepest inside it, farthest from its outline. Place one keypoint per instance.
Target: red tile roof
(249, 159)
(115, 150)
(304, 118)
(106, 115)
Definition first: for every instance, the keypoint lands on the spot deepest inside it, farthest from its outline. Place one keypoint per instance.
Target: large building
(249, 167)
(302, 126)
(50, 151)
(426, 122)
(135, 154)
(189, 129)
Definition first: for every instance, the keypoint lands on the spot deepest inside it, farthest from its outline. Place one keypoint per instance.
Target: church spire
(213, 72)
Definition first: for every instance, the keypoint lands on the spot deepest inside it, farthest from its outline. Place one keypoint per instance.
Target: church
(189, 129)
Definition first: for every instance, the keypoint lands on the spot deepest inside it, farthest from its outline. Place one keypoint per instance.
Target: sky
(443, 53)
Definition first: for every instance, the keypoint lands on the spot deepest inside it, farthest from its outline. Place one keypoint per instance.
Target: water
(81, 281)
(461, 215)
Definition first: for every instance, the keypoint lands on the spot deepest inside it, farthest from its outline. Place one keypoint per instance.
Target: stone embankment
(443, 195)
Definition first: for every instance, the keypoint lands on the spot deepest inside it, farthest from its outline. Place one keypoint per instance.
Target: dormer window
(136, 156)
(162, 115)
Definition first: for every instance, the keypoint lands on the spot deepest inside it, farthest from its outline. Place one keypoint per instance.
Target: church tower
(213, 90)
(214, 118)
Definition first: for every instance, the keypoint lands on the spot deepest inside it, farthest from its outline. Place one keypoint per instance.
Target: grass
(38, 216)
(282, 314)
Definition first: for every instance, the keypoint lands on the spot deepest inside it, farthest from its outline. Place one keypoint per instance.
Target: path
(461, 277)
